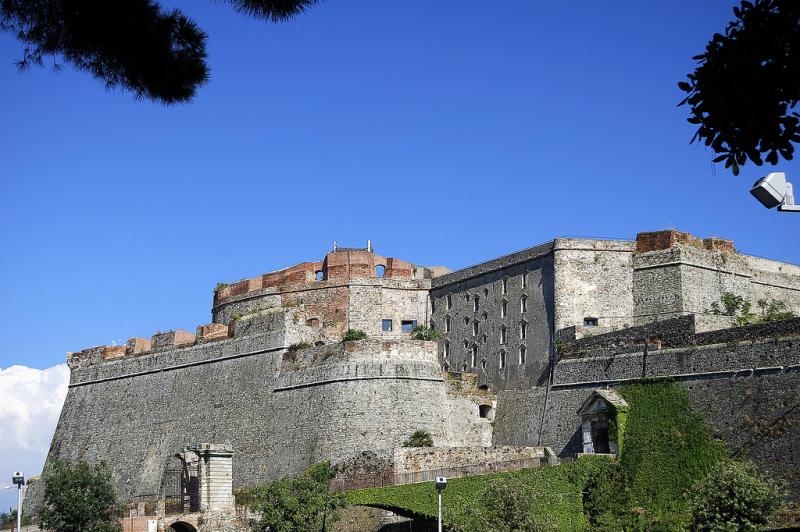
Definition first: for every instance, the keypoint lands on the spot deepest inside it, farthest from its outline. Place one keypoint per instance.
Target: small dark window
(590, 322)
(483, 410)
(386, 325)
(408, 325)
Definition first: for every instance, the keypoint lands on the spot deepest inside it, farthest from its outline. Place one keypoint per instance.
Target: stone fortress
(526, 342)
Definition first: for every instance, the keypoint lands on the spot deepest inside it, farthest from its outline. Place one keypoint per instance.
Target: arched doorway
(181, 526)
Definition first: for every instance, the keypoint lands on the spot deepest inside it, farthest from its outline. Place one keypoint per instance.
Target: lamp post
(441, 484)
(19, 480)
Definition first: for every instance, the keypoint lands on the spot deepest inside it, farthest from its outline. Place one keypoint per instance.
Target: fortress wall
(371, 302)
(371, 395)
(486, 283)
(593, 279)
(746, 386)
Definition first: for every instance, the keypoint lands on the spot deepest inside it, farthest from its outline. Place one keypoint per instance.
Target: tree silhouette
(746, 84)
(137, 45)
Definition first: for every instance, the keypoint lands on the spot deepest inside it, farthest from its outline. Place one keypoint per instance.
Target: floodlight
(18, 478)
(441, 483)
(775, 191)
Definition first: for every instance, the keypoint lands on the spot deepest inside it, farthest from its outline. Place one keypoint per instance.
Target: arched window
(523, 330)
(523, 304)
(475, 303)
(474, 356)
(503, 308)
(447, 324)
(449, 301)
(475, 328)
(320, 275)
(446, 349)
(502, 358)
(380, 270)
(483, 364)
(522, 353)
(503, 334)
(504, 286)
(525, 280)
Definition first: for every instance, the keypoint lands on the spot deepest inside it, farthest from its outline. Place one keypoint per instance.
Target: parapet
(670, 238)
(340, 265)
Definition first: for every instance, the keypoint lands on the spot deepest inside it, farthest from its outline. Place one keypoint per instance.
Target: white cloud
(30, 403)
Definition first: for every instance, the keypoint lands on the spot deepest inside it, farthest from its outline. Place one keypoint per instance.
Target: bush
(420, 438)
(79, 498)
(297, 503)
(423, 333)
(298, 346)
(734, 496)
(353, 334)
(741, 310)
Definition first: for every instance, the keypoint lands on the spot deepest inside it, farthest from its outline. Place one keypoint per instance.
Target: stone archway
(181, 526)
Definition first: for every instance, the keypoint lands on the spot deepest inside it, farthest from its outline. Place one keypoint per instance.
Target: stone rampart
(744, 381)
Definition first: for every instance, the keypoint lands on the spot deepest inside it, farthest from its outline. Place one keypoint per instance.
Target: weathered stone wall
(280, 411)
(745, 382)
(416, 459)
(593, 279)
(527, 274)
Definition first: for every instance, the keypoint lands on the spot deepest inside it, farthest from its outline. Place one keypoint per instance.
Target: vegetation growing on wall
(353, 334)
(421, 332)
(664, 450)
(742, 310)
(420, 438)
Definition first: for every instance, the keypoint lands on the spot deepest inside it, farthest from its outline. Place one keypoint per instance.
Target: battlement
(340, 265)
(670, 238)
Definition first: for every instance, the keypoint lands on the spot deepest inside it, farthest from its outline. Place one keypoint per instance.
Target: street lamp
(19, 479)
(775, 191)
(441, 484)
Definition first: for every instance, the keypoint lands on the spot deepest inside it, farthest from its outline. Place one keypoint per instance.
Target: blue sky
(446, 132)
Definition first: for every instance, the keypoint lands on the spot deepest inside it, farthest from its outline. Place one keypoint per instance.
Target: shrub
(298, 346)
(423, 333)
(420, 438)
(741, 310)
(734, 496)
(79, 498)
(297, 503)
(353, 334)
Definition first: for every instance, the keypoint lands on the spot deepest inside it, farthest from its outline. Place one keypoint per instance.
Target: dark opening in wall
(590, 322)
(313, 322)
(320, 275)
(484, 410)
(408, 325)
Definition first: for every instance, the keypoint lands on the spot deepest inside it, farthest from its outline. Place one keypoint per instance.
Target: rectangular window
(449, 301)
(386, 325)
(524, 280)
(503, 309)
(504, 286)
(408, 325)
(523, 304)
(590, 322)
(523, 330)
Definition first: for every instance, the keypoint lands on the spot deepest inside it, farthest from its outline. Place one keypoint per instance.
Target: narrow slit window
(449, 301)
(475, 304)
(523, 330)
(503, 334)
(523, 304)
(504, 286)
(522, 354)
(447, 324)
(446, 350)
(474, 356)
(475, 328)
(503, 308)
(525, 280)
(502, 359)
